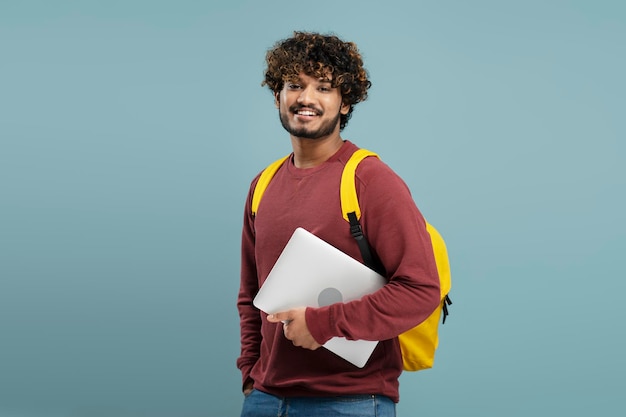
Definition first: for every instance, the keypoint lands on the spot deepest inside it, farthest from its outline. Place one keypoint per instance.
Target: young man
(316, 81)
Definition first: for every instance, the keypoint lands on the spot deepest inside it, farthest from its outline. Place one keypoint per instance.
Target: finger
(273, 318)
(278, 317)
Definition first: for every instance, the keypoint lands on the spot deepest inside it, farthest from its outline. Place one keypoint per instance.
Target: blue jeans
(260, 404)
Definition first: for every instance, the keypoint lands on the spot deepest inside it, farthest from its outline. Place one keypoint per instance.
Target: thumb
(283, 316)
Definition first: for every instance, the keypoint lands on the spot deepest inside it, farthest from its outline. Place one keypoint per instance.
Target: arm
(397, 233)
(250, 319)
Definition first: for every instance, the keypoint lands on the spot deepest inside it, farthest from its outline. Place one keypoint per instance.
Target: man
(316, 81)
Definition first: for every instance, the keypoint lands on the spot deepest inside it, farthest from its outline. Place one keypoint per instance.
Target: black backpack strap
(444, 304)
(366, 253)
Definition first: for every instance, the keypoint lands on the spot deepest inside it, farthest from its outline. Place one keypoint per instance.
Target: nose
(306, 95)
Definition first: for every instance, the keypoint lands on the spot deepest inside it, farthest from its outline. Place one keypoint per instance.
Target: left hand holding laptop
(295, 328)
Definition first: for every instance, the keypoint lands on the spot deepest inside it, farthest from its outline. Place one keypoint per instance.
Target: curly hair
(319, 56)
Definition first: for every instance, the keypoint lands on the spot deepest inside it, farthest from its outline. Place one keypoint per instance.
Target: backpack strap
(350, 207)
(264, 180)
(349, 199)
(352, 213)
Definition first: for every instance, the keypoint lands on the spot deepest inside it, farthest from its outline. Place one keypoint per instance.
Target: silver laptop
(312, 273)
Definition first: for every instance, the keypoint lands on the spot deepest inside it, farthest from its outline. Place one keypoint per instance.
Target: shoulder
(374, 172)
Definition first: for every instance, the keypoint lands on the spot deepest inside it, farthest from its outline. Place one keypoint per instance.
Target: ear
(345, 108)
(277, 99)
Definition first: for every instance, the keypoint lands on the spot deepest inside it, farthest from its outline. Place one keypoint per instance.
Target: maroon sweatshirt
(396, 231)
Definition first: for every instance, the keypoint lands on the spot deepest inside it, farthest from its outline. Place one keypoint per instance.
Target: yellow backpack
(418, 344)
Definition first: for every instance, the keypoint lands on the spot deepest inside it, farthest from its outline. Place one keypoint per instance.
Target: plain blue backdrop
(129, 133)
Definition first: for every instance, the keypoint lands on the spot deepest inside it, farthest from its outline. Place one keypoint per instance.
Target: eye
(324, 89)
(293, 86)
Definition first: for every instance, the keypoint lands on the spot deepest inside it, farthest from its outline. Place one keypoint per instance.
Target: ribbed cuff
(319, 321)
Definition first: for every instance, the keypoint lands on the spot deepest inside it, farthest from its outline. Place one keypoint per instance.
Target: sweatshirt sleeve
(396, 232)
(250, 319)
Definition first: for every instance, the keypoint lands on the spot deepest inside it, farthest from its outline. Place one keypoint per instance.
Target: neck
(308, 153)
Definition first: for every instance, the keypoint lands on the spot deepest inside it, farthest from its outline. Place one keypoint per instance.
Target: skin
(309, 110)
(315, 136)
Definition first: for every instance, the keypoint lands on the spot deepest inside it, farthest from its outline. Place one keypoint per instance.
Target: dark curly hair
(319, 56)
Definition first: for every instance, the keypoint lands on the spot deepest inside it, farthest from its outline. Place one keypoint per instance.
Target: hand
(295, 328)
(247, 389)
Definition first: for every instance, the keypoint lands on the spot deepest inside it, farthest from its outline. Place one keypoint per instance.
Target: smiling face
(310, 108)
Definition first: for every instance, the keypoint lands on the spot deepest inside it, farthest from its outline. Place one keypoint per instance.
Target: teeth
(306, 113)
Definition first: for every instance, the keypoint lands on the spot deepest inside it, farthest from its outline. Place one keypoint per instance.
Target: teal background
(129, 133)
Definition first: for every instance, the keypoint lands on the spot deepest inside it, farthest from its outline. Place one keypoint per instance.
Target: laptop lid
(312, 273)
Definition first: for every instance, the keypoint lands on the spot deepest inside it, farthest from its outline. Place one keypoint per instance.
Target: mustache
(297, 107)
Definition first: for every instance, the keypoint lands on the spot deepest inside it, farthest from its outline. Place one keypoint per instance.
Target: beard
(327, 127)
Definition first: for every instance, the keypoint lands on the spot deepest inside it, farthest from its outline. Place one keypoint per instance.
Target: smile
(305, 111)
